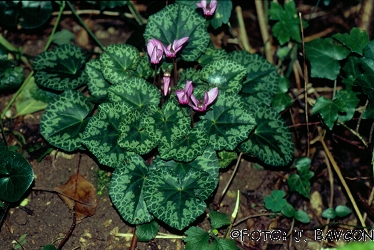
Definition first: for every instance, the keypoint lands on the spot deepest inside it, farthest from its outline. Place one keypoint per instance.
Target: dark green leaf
(49, 247)
(118, 62)
(174, 22)
(288, 210)
(147, 231)
(301, 216)
(197, 239)
(276, 201)
(223, 244)
(351, 101)
(127, 189)
(60, 68)
(369, 50)
(342, 211)
(64, 120)
(324, 55)
(110, 4)
(281, 101)
(356, 40)
(328, 109)
(16, 175)
(218, 220)
(352, 71)
(10, 77)
(302, 186)
(271, 140)
(102, 133)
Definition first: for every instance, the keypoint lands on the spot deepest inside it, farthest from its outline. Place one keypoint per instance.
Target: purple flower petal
(166, 84)
(211, 96)
(155, 50)
(172, 49)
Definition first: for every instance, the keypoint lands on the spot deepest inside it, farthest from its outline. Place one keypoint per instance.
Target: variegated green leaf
(65, 119)
(227, 75)
(190, 74)
(144, 69)
(102, 133)
(188, 147)
(261, 82)
(174, 22)
(135, 91)
(174, 123)
(60, 68)
(127, 190)
(228, 123)
(140, 132)
(118, 62)
(211, 54)
(97, 84)
(175, 191)
(271, 141)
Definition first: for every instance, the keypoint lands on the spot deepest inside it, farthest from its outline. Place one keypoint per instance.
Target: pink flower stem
(154, 76)
(175, 74)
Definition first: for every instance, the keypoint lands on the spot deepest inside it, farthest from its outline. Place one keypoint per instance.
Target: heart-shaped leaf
(211, 55)
(227, 75)
(228, 123)
(127, 189)
(16, 175)
(328, 109)
(60, 68)
(102, 133)
(174, 22)
(136, 92)
(271, 141)
(175, 193)
(147, 231)
(65, 119)
(356, 40)
(118, 62)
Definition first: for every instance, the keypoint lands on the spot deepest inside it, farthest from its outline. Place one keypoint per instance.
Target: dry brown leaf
(84, 194)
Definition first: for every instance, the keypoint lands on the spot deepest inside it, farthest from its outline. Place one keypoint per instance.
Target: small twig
(360, 118)
(158, 236)
(354, 132)
(264, 30)
(231, 178)
(73, 224)
(342, 180)
(233, 215)
(252, 216)
(306, 81)
(318, 35)
(50, 39)
(331, 180)
(370, 200)
(242, 31)
(134, 240)
(135, 13)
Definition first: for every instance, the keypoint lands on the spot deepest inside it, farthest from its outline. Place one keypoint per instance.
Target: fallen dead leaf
(84, 195)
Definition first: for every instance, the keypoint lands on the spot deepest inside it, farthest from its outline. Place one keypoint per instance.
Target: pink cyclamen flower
(184, 94)
(209, 97)
(155, 50)
(208, 9)
(172, 49)
(166, 79)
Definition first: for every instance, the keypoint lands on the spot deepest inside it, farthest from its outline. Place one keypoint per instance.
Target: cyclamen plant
(166, 147)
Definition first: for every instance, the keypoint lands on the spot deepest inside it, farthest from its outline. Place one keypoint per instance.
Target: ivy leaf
(351, 101)
(324, 55)
(174, 22)
(218, 220)
(147, 231)
(104, 145)
(271, 140)
(118, 62)
(136, 92)
(228, 123)
(60, 68)
(276, 201)
(356, 40)
(328, 109)
(10, 77)
(369, 50)
(223, 244)
(222, 14)
(352, 71)
(224, 74)
(301, 216)
(288, 25)
(261, 82)
(97, 85)
(127, 189)
(16, 175)
(140, 133)
(197, 239)
(175, 191)
(366, 82)
(226, 157)
(64, 120)
(302, 186)
(187, 147)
